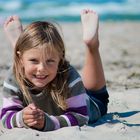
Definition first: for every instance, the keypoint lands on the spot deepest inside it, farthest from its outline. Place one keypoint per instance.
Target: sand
(120, 52)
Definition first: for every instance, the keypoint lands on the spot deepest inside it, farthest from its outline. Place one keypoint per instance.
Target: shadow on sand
(116, 117)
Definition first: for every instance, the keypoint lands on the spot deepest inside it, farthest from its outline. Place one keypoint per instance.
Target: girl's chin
(39, 86)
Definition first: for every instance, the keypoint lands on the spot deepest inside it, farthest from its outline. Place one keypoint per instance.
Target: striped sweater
(76, 113)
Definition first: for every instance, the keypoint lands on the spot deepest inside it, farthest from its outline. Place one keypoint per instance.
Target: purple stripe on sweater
(14, 102)
(72, 119)
(9, 119)
(81, 110)
(17, 101)
(77, 101)
(4, 110)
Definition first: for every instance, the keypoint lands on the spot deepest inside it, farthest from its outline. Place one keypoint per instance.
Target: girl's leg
(13, 28)
(92, 72)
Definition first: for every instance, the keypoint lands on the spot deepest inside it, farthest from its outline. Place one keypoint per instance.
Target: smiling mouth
(40, 77)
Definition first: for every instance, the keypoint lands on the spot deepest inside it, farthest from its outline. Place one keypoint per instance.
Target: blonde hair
(45, 35)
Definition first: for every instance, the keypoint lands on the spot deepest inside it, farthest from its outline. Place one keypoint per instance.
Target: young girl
(42, 90)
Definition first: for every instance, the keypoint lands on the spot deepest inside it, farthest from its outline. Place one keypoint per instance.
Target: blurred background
(69, 10)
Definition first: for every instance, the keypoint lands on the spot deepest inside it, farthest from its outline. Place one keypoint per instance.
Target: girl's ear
(20, 58)
(18, 53)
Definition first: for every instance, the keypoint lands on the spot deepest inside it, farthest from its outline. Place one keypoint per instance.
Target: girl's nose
(42, 67)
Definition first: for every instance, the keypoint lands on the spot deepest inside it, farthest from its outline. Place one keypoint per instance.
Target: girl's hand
(31, 115)
(41, 120)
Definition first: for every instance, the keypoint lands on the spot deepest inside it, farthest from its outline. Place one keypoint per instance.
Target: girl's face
(37, 70)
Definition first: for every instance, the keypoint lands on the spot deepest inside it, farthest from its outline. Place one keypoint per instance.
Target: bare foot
(90, 23)
(13, 29)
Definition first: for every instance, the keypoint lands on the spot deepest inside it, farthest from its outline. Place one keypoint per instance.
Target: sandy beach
(120, 53)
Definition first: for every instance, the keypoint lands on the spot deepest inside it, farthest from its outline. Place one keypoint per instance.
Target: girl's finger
(32, 123)
(32, 106)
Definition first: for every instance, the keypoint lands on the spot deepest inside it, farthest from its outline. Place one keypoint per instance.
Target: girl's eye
(33, 61)
(50, 61)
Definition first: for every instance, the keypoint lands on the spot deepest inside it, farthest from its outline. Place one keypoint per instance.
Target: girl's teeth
(40, 76)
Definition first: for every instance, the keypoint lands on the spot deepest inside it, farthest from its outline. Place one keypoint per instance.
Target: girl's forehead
(43, 51)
